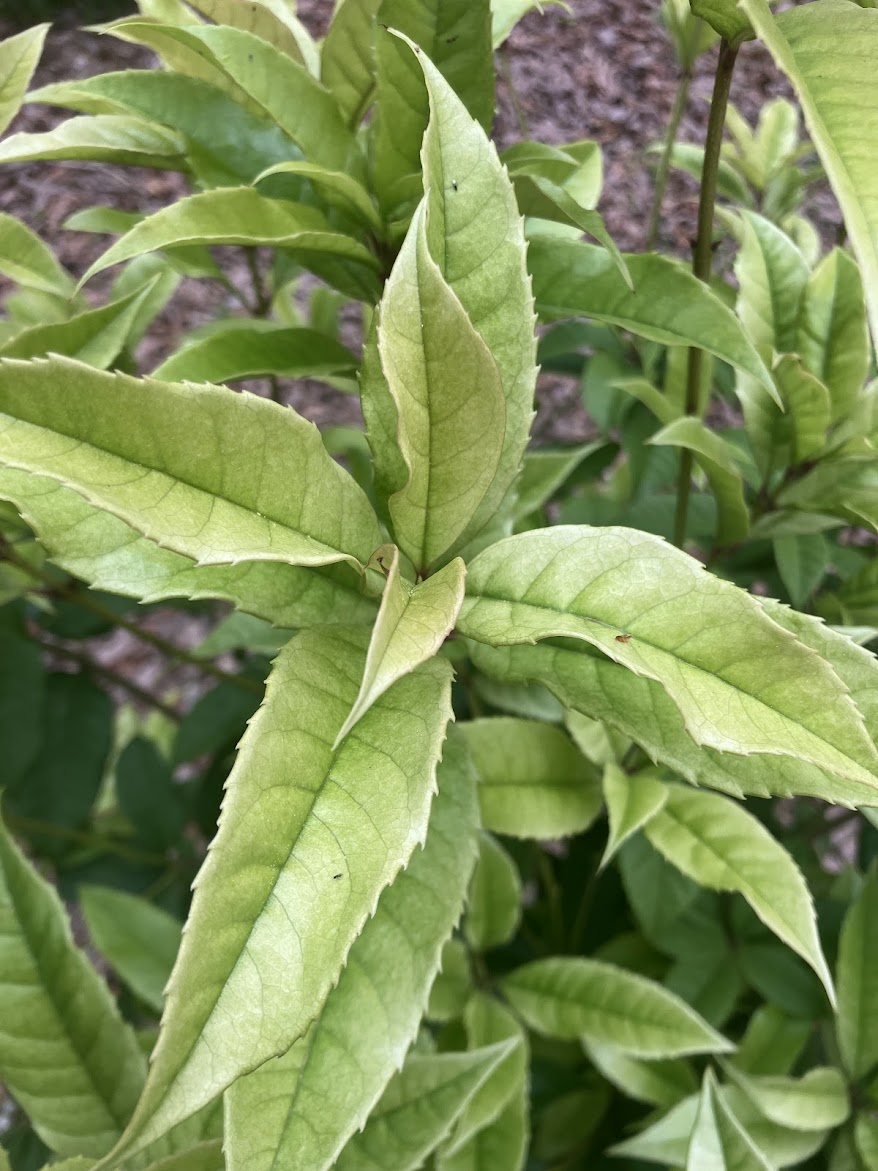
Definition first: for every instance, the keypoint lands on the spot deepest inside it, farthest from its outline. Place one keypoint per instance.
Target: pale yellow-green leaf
(18, 60)
(493, 909)
(817, 1101)
(660, 1083)
(25, 259)
(103, 138)
(308, 838)
(833, 335)
(718, 1141)
(631, 802)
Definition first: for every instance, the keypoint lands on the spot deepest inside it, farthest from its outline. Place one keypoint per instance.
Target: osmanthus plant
(415, 941)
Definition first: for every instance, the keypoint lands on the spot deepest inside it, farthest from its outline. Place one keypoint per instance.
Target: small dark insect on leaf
(335, 876)
(453, 184)
(623, 638)
(450, 40)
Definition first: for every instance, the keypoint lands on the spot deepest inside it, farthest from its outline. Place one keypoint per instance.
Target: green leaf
(337, 188)
(418, 1109)
(277, 86)
(724, 17)
(450, 438)
(772, 1042)
(18, 60)
(130, 452)
(503, 1143)
(573, 998)
(453, 986)
(827, 50)
(857, 977)
(544, 471)
(532, 781)
(772, 275)
(204, 1156)
(95, 337)
(721, 846)
(489, 1022)
(22, 690)
(660, 1083)
(455, 37)
(236, 143)
(802, 562)
(475, 237)
(493, 907)
(866, 1139)
(631, 802)
(833, 336)
(24, 258)
(817, 1101)
(271, 20)
(739, 680)
(846, 486)
(300, 1109)
(668, 305)
(347, 57)
(271, 876)
(721, 464)
(240, 215)
(108, 554)
(251, 352)
(103, 138)
(505, 15)
(807, 404)
(139, 940)
(718, 1141)
(540, 198)
(63, 780)
(65, 1053)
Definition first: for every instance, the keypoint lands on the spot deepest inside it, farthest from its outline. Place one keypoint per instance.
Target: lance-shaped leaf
(456, 38)
(419, 1108)
(18, 60)
(668, 305)
(505, 15)
(772, 274)
(299, 1110)
(722, 846)
(643, 711)
(271, 20)
(138, 939)
(110, 555)
(277, 86)
(96, 336)
(449, 400)
(857, 976)
(832, 336)
(544, 471)
(660, 1083)
(573, 998)
(412, 624)
(239, 215)
(718, 1141)
(721, 464)
(308, 838)
(253, 352)
(347, 57)
(847, 486)
(631, 802)
(772, 1042)
(476, 237)
(817, 1101)
(25, 259)
(65, 1053)
(260, 487)
(742, 683)
(238, 143)
(493, 908)
(503, 1142)
(337, 188)
(829, 52)
(532, 781)
(104, 138)
(808, 410)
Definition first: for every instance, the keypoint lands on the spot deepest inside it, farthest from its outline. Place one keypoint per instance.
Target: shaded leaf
(139, 940)
(857, 976)
(573, 998)
(245, 352)
(832, 337)
(660, 1083)
(532, 781)
(347, 57)
(493, 907)
(65, 1053)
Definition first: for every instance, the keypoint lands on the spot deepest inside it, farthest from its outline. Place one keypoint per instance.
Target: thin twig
(664, 167)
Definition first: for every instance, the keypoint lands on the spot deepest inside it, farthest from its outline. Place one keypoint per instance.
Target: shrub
(501, 877)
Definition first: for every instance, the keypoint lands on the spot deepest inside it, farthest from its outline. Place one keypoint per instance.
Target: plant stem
(31, 825)
(86, 602)
(664, 167)
(111, 676)
(702, 260)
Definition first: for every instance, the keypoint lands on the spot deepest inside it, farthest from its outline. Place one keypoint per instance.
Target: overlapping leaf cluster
(413, 941)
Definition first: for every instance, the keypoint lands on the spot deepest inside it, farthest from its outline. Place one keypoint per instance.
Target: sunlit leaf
(718, 1141)
(18, 60)
(631, 802)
